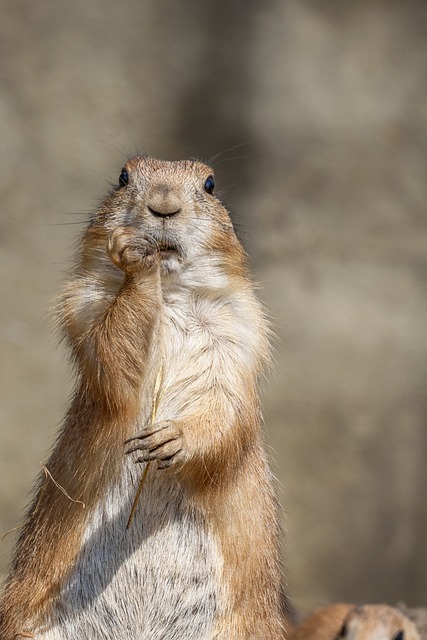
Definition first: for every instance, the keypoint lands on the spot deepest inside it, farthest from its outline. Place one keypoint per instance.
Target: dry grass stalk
(7, 533)
(154, 407)
(48, 474)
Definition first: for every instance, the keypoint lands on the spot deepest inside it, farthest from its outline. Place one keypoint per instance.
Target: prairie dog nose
(163, 202)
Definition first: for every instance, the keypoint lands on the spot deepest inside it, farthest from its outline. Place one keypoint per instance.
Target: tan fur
(114, 314)
(347, 621)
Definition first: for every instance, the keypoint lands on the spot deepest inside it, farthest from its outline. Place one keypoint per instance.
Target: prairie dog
(159, 296)
(350, 622)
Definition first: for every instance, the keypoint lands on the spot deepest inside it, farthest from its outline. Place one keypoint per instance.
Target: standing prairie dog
(350, 622)
(159, 304)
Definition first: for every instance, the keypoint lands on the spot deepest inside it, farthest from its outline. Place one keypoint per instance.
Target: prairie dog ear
(343, 632)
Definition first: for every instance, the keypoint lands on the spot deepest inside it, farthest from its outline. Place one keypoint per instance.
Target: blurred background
(317, 110)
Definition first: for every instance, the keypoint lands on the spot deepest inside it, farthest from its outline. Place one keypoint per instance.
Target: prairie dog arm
(109, 321)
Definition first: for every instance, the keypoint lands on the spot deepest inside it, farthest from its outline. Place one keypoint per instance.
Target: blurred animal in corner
(351, 622)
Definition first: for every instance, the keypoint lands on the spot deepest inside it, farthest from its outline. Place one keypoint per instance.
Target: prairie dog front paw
(131, 250)
(162, 442)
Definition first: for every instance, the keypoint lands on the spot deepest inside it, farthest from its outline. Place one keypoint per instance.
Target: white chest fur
(162, 577)
(158, 579)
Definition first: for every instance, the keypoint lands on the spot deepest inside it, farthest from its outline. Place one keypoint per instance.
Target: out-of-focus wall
(320, 110)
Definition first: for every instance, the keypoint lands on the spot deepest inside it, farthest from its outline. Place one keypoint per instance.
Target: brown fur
(106, 397)
(115, 356)
(347, 621)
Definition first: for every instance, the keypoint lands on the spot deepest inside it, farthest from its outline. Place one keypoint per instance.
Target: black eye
(399, 636)
(124, 178)
(343, 632)
(209, 185)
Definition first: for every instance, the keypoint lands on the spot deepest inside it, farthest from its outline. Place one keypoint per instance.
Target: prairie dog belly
(167, 555)
(158, 579)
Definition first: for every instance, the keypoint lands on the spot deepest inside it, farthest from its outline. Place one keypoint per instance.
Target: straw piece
(7, 533)
(154, 407)
(48, 474)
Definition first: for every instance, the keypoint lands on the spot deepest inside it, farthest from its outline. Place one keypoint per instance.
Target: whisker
(221, 153)
(243, 225)
(117, 146)
(225, 190)
(230, 159)
(76, 213)
(62, 224)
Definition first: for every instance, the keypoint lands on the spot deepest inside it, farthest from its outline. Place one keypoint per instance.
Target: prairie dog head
(175, 204)
(377, 622)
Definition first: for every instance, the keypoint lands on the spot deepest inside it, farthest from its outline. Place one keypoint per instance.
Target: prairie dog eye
(124, 178)
(209, 185)
(399, 636)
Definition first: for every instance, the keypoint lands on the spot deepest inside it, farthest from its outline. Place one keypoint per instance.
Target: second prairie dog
(350, 622)
(159, 297)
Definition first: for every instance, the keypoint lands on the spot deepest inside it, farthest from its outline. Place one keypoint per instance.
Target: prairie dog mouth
(166, 247)
(168, 244)
(169, 252)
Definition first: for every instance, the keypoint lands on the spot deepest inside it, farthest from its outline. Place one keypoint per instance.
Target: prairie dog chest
(196, 322)
(196, 345)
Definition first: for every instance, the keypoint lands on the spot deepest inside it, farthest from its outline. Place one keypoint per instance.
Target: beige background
(327, 104)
